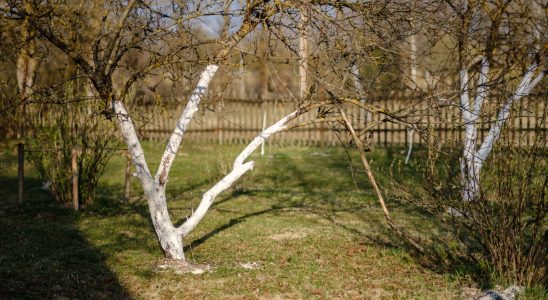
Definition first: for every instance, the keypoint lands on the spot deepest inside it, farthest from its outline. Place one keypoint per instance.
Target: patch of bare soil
(251, 265)
(181, 267)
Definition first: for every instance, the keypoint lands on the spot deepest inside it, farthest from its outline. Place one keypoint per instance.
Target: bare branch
(183, 123)
(239, 169)
(523, 89)
(113, 40)
(373, 182)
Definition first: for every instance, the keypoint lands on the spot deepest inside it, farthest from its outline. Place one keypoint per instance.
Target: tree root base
(180, 267)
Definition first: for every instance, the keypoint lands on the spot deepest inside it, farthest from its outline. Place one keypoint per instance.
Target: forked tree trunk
(100, 73)
(169, 236)
(169, 240)
(473, 157)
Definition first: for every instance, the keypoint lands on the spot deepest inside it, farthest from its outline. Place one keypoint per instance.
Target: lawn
(299, 225)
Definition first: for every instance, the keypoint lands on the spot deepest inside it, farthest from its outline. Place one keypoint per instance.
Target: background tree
(478, 183)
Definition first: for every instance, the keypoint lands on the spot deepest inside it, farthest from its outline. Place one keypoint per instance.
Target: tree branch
(127, 128)
(239, 169)
(523, 89)
(112, 42)
(183, 123)
(373, 182)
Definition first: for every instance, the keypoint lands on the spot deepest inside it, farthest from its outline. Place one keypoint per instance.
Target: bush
(57, 129)
(504, 231)
(509, 219)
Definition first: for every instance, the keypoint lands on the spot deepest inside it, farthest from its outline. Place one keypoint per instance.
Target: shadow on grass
(42, 253)
(232, 222)
(320, 188)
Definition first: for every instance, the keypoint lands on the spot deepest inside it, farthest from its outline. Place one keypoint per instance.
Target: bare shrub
(504, 230)
(55, 130)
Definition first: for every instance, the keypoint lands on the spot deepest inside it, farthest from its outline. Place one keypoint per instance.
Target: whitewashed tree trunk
(154, 187)
(410, 133)
(154, 192)
(356, 78)
(413, 58)
(170, 237)
(473, 157)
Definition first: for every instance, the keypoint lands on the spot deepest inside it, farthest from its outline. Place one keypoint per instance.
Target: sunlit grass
(313, 229)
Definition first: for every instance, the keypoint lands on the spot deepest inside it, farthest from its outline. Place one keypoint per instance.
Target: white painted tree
(137, 25)
(107, 52)
(413, 74)
(487, 30)
(170, 237)
(474, 157)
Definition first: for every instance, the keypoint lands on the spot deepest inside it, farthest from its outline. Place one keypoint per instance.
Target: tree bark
(170, 241)
(473, 157)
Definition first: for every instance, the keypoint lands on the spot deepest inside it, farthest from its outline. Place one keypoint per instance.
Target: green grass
(314, 230)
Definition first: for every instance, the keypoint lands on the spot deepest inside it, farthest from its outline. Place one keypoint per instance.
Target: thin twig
(373, 182)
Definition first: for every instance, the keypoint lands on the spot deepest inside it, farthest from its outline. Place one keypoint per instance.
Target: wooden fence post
(21, 170)
(322, 134)
(74, 167)
(264, 126)
(220, 121)
(127, 175)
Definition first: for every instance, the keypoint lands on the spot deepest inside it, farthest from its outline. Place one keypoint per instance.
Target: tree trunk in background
(473, 157)
(413, 59)
(241, 71)
(265, 73)
(303, 51)
(26, 67)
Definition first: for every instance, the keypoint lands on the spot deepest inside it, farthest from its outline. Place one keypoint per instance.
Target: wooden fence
(239, 121)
